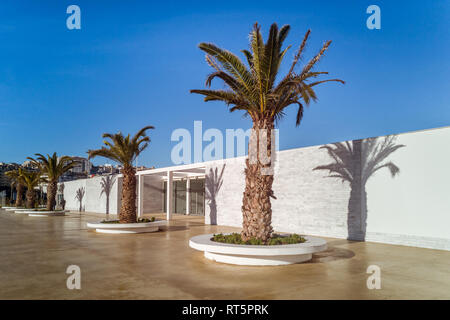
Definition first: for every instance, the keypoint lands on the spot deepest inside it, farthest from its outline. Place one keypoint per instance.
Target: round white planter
(13, 209)
(253, 255)
(35, 213)
(20, 210)
(141, 227)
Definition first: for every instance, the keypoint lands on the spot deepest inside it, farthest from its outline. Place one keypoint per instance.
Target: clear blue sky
(134, 62)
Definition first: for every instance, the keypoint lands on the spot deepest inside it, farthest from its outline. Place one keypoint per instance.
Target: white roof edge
(205, 163)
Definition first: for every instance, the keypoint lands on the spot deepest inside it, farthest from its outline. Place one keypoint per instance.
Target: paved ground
(35, 252)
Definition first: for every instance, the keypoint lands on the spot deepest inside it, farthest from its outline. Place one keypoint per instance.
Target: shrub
(235, 238)
(140, 220)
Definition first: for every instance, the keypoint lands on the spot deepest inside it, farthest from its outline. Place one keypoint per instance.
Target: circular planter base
(257, 260)
(45, 213)
(126, 228)
(256, 255)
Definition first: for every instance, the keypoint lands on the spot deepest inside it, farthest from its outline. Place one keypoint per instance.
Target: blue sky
(133, 63)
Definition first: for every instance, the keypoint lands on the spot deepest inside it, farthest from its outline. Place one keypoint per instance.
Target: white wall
(92, 201)
(412, 208)
(70, 189)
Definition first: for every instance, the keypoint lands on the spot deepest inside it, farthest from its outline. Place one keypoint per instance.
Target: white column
(188, 196)
(140, 195)
(169, 195)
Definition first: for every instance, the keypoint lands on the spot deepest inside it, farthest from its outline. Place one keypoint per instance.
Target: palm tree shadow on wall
(355, 162)
(213, 183)
(79, 195)
(106, 185)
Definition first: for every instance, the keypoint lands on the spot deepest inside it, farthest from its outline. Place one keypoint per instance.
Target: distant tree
(54, 168)
(124, 150)
(17, 181)
(32, 179)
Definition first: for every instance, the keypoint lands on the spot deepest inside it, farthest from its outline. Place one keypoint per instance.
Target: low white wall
(412, 208)
(93, 200)
(70, 189)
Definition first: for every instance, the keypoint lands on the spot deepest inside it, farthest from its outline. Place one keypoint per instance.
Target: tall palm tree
(53, 167)
(17, 181)
(124, 150)
(106, 184)
(355, 162)
(254, 89)
(79, 195)
(32, 179)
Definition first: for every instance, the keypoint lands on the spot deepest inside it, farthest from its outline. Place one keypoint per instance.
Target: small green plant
(235, 238)
(140, 220)
(146, 219)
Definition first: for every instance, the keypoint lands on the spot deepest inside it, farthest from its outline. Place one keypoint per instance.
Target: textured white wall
(412, 208)
(307, 201)
(70, 189)
(415, 205)
(92, 201)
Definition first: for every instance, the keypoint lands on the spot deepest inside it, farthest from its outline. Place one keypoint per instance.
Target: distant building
(81, 170)
(105, 169)
(5, 182)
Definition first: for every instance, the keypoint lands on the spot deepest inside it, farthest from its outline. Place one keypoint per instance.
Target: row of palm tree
(44, 169)
(251, 88)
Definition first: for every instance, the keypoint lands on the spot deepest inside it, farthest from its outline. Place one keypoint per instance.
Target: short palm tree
(106, 184)
(254, 89)
(124, 150)
(17, 181)
(31, 179)
(355, 162)
(53, 167)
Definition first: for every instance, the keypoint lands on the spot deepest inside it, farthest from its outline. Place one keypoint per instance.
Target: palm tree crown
(31, 178)
(253, 89)
(14, 176)
(121, 149)
(52, 166)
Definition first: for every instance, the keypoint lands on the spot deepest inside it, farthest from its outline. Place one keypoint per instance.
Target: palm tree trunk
(30, 198)
(19, 195)
(256, 206)
(51, 195)
(128, 207)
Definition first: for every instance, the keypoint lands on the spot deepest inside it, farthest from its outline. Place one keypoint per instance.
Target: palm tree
(355, 162)
(106, 184)
(32, 179)
(17, 181)
(79, 195)
(254, 90)
(53, 167)
(124, 150)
